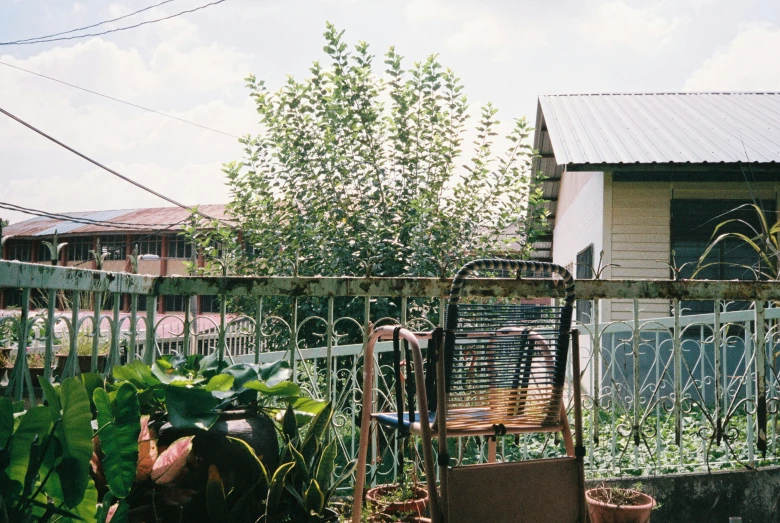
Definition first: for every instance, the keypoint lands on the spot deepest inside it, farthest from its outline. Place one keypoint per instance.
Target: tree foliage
(355, 173)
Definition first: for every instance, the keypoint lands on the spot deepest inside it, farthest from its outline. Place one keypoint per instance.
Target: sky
(193, 67)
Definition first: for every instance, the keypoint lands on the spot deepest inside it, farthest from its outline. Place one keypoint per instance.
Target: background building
(154, 231)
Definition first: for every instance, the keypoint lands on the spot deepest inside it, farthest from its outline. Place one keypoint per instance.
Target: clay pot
(417, 506)
(601, 512)
(85, 363)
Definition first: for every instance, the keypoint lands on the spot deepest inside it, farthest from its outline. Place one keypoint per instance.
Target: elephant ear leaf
(6, 421)
(119, 425)
(75, 435)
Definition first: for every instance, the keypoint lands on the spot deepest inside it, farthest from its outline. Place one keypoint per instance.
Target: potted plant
(402, 501)
(619, 505)
(406, 500)
(35, 363)
(84, 341)
(225, 415)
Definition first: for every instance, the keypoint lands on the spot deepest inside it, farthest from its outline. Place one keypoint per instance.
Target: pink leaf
(171, 463)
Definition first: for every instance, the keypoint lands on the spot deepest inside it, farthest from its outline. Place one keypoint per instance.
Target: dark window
(179, 248)
(585, 271)
(44, 254)
(175, 303)
(20, 250)
(13, 298)
(78, 248)
(209, 303)
(113, 246)
(249, 250)
(693, 223)
(149, 245)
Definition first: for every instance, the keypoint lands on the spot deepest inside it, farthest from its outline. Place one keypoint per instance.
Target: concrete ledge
(753, 495)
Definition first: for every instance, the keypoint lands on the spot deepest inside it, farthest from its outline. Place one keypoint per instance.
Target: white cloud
(751, 62)
(479, 28)
(178, 76)
(616, 24)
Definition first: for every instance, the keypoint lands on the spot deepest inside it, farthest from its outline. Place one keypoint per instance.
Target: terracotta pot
(601, 512)
(416, 506)
(85, 363)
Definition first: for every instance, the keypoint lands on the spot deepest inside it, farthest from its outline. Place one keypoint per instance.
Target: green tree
(358, 174)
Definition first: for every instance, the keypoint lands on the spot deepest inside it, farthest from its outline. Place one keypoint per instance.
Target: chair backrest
(506, 363)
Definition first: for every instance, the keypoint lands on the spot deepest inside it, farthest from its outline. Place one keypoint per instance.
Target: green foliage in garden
(356, 172)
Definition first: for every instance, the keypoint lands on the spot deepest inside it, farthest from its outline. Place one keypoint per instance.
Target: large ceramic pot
(602, 512)
(417, 506)
(256, 429)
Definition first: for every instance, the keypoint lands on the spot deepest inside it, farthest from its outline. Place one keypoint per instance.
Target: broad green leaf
(242, 373)
(220, 383)
(52, 395)
(6, 421)
(75, 434)
(86, 510)
(119, 425)
(35, 423)
(273, 373)
(285, 389)
(137, 373)
(191, 408)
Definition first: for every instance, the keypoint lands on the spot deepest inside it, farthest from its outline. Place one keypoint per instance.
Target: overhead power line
(107, 169)
(88, 26)
(113, 30)
(44, 214)
(120, 101)
(78, 219)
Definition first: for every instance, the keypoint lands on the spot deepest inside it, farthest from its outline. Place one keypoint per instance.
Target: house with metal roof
(645, 178)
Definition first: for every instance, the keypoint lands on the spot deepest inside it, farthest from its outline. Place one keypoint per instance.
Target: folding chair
(499, 369)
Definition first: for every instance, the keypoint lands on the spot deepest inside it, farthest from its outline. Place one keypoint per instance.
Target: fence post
(49, 354)
(151, 343)
(677, 347)
(761, 378)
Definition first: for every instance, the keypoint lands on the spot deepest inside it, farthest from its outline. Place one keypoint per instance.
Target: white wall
(580, 217)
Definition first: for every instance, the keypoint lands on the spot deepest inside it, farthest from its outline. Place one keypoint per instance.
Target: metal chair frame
(443, 343)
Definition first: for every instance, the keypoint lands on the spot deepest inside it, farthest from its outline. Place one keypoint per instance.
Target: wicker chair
(502, 372)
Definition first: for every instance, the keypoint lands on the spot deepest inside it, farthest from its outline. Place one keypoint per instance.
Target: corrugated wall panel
(640, 241)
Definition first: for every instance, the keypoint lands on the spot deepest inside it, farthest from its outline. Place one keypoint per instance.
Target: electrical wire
(77, 219)
(87, 27)
(120, 101)
(107, 169)
(113, 30)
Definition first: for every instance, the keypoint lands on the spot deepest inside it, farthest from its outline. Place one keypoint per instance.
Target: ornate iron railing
(662, 395)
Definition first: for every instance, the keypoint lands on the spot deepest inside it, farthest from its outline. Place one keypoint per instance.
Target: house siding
(639, 240)
(637, 231)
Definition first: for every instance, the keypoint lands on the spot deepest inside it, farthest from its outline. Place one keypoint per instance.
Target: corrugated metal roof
(149, 219)
(663, 128)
